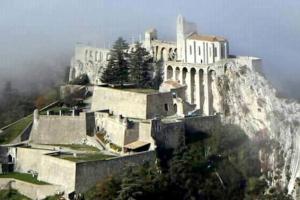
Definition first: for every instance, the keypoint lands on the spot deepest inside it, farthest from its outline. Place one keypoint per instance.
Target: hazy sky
(40, 34)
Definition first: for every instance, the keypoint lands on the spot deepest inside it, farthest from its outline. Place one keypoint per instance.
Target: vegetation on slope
(15, 130)
(15, 105)
(12, 195)
(23, 177)
(220, 165)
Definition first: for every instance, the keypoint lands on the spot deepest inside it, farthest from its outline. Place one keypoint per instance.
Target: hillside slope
(248, 100)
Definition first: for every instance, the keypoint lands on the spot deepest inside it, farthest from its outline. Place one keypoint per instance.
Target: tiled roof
(210, 38)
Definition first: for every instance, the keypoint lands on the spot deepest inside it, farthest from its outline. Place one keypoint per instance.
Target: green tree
(117, 69)
(158, 76)
(140, 66)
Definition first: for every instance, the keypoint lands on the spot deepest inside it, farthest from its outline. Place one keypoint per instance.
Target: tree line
(135, 66)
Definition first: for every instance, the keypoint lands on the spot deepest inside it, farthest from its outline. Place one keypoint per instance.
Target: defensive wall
(71, 176)
(170, 133)
(55, 129)
(30, 190)
(132, 104)
(27, 159)
(89, 173)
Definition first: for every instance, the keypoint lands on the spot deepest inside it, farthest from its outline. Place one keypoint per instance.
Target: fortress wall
(145, 133)
(156, 105)
(201, 124)
(115, 130)
(29, 159)
(89, 173)
(128, 104)
(54, 129)
(132, 133)
(58, 171)
(30, 190)
(168, 134)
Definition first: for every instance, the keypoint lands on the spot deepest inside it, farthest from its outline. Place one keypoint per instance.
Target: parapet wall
(132, 104)
(89, 173)
(54, 129)
(128, 104)
(58, 171)
(29, 159)
(168, 134)
(30, 190)
(198, 124)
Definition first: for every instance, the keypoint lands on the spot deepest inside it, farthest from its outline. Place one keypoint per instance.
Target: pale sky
(42, 33)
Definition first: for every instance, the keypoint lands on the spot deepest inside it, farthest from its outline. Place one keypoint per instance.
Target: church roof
(209, 38)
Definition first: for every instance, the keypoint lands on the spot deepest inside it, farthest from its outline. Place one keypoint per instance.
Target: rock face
(248, 100)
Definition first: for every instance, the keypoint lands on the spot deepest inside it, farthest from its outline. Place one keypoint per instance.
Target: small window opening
(166, 107)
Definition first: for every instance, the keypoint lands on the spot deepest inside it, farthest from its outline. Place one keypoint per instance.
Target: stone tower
(183, 30)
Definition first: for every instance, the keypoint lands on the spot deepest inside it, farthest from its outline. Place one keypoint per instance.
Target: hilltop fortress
(127, 124)
(194, 61)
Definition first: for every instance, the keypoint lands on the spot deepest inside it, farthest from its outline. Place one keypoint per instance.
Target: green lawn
(86, 157)
(12, 195)
(78, 147)
(23, 177)
(15, 130)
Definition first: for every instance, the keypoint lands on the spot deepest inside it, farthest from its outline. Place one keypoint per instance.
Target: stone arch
(164, 54)
(193, 85)
(175, 54)
(184, 73)
(9, 158)
(201, 89)
(91, 55)
(177, 74)
(169, 72)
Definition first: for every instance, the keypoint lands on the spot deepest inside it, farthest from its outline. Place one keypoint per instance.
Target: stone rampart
(29, 159)
(89, 173)
(57, 171)
(54, 129)
(198, 124)
(120, 102)
(30, 190)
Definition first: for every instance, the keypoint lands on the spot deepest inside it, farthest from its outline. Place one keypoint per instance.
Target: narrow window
(166, 107)
(190, 49)
(199, 50)
(215, 52)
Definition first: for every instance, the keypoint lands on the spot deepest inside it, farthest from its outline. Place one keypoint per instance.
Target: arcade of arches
(200, 84)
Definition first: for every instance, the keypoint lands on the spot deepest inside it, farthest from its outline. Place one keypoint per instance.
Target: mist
(37, 38)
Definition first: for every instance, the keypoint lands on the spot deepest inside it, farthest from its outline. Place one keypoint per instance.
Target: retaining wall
(89, 173)
(30, 190)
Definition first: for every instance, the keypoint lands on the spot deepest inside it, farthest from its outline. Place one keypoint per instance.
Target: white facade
(88, 60)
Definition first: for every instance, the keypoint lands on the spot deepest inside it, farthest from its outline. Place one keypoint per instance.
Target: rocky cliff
(250, 101)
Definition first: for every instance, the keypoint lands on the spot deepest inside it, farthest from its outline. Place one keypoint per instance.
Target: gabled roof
(209, 38)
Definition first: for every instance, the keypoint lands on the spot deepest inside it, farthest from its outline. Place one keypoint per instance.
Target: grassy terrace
(15, 130)
(23, 177)
(85, 157)
(78, 147)
(12, 194)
